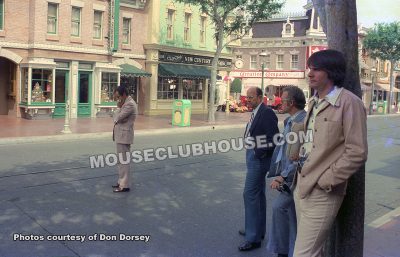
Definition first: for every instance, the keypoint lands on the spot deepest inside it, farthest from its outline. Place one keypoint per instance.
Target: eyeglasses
(250, 97)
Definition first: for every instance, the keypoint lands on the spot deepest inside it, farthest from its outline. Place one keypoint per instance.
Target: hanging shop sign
(268, 74)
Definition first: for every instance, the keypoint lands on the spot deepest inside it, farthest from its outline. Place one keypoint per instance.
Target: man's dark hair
(330, 61)
(122, 90)
(296, 95)
(259, 92)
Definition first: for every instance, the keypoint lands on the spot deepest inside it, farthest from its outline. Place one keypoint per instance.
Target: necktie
(249, 124)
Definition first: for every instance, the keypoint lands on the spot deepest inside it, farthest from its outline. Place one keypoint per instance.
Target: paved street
(188, 206)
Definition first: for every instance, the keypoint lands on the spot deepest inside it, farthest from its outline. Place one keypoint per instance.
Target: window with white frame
(253, 62)
(267, 61)
(126, 31)
(186, 33)
(1, 14)
(279, 62)
(97, 24)
(52, 13)
(294, 64)
(170, 24)
(76, 21)
(203, 26)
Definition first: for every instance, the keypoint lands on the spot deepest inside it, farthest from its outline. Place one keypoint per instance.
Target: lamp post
(262, 55)
(371, 104)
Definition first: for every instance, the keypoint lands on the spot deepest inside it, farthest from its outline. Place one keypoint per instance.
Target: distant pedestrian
(263, 124)
(283, 228)
(337, 119)
(124, 119)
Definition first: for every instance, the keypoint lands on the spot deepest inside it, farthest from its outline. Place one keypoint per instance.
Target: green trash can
(381, 107)
(181, 112)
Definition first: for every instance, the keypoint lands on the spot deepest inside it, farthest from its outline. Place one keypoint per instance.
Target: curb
(141, 132)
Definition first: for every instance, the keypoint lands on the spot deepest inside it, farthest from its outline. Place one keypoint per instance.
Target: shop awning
(385, 87)
(183, 71)
(130, 70)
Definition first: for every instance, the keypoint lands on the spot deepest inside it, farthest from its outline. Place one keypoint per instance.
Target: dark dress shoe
(242, 233)
(115, 186)
(120, 190)
(248, 246)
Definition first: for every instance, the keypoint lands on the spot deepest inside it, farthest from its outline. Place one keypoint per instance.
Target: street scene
(187, 206)
(175, 128)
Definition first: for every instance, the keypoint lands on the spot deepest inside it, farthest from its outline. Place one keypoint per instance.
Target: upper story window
(52, 18)
(76, 21)
(288, 28)
(97, 24)
(294, 64)
(279, 62)
(203, 27)
(1, 14)
(253, 62)
(170, 24)
(186, 34)
(126, 31)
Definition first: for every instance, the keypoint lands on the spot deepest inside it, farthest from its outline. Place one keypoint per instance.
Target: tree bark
(341, 29)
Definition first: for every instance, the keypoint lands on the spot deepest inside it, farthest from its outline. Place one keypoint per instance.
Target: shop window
(279, 62)
(186, 32)
(294, 64)
(126, 31)
(42, 85)
(52, 13)
(97, 24)
(76, 21)
(1, 14)
(109, 82)
(193, 89)
(167, 88)
(203, 27)
(253, 62)
(170, 24)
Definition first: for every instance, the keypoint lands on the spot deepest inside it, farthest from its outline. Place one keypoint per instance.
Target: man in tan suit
(124, 119)
(339, 148)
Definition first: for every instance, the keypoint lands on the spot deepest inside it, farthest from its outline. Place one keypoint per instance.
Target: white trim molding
(77, 3)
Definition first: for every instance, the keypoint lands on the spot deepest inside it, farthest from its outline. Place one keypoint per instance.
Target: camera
(284, 188)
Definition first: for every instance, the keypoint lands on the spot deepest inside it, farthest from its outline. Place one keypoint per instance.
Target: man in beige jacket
(124, 119)
(337, 119)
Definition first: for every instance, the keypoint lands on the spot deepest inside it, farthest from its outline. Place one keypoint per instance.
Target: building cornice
(282, 42)
(184, 50)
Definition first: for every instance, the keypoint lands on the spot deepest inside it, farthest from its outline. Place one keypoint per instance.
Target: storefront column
(151, 83)
(73, 93)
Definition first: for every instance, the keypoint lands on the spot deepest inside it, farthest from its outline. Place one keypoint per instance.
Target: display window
(109, 83)
(42, 86)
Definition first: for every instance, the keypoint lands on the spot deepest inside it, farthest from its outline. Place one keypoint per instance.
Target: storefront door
(61, 91)
(84, 93)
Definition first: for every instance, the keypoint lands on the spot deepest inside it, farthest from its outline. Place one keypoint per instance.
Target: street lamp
(371, 104)
(262, 55)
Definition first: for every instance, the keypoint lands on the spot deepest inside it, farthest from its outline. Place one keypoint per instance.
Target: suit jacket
(339, 145)
(124, 119)
(265, 123)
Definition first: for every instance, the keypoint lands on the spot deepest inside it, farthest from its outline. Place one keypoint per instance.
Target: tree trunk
(390, 100)
(214, 69)
(341, 29)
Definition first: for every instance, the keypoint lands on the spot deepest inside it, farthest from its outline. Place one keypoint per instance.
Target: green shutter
(1, 13)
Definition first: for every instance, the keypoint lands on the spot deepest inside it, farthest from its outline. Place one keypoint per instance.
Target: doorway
(61, 92)
(7, 86)
(84, 94)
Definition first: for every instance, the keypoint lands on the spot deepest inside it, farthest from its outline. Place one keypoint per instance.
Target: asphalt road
(188, 206)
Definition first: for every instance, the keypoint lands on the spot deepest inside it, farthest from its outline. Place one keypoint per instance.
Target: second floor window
(76, 22)
(203, 26)
(294, 64)
(253, 62)
(1, 14)
(279, 62)
(170, 24)
(126, 33)
(186, 33)
(97, 24)
(52, 12)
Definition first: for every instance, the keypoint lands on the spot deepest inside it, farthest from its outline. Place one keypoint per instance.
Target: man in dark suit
(124, 119)
(260, 130)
